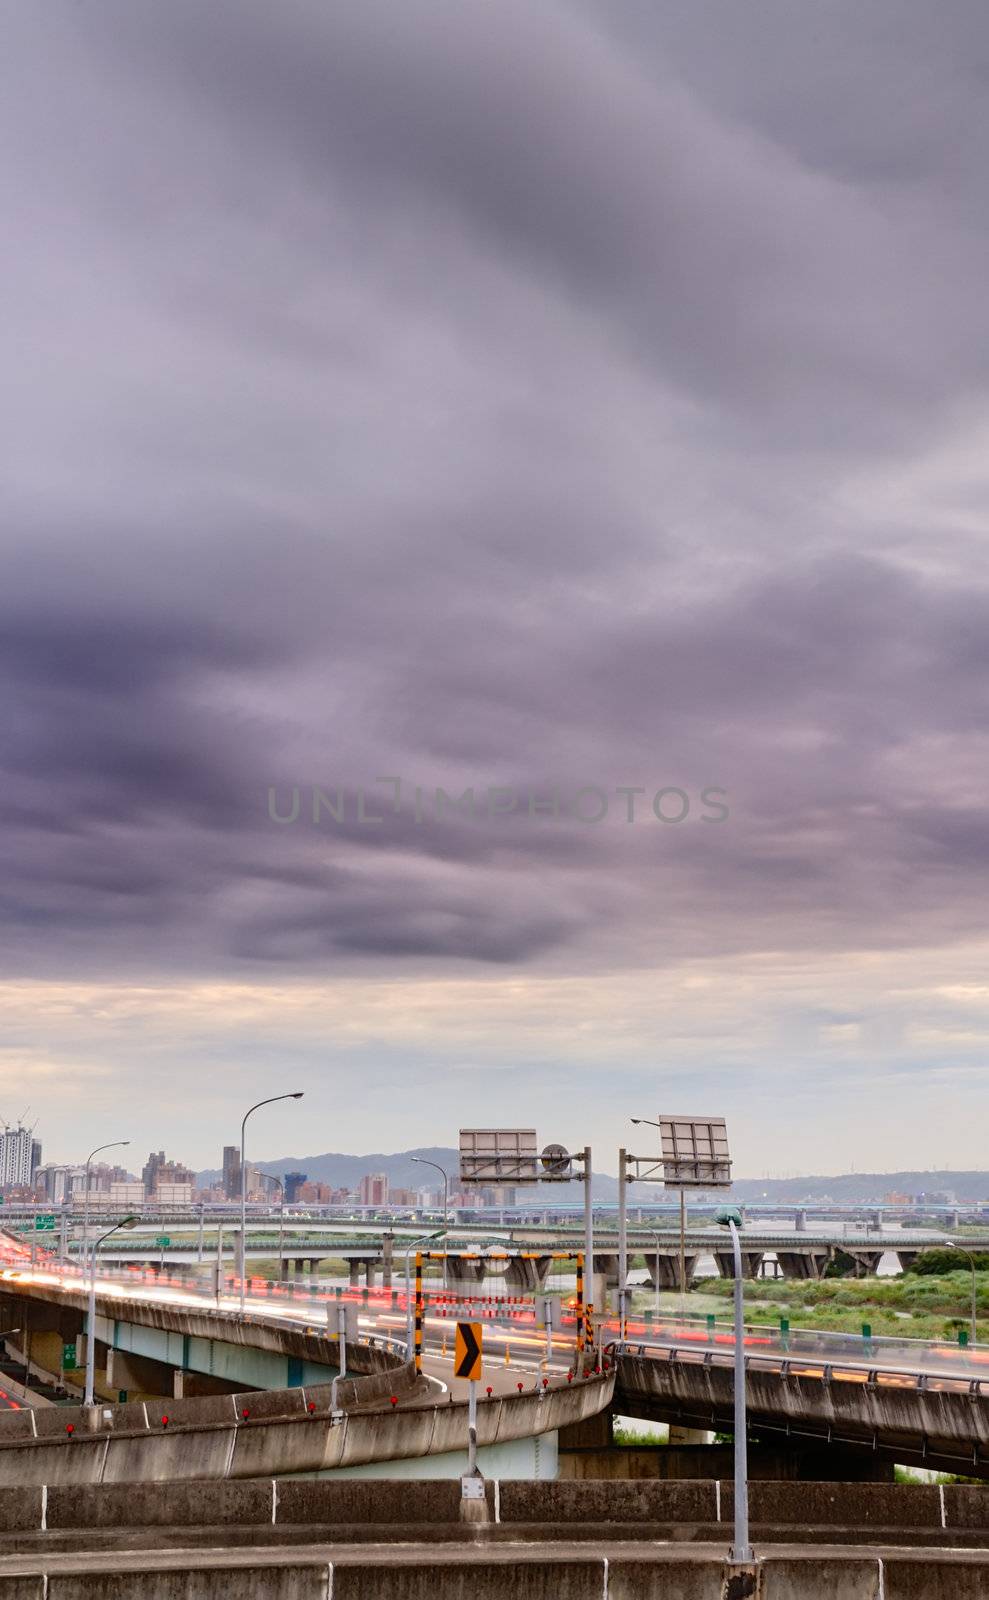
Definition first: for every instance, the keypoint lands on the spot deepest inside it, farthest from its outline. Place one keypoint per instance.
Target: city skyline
(580, 406)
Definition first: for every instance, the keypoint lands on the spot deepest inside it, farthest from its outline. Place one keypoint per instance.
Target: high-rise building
(160, 1175)
(17, 1148)
(231, 1171)
(59, 1183)
(373, 1189)
(149, 1172)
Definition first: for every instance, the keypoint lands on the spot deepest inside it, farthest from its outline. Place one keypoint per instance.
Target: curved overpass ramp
(272, 1434)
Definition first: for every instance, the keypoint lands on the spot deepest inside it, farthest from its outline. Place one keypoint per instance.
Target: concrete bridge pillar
(906, 1258)
(606, 1267)
(463, 1269)
(387, 1259)
(800, 1221)
(355, 1274)
(751, 1262)
(669, 1269)
(285, 1269)
(800, 1263)
(866, 1262)
(371, 1273)
(666, 1268)
(527, 1274)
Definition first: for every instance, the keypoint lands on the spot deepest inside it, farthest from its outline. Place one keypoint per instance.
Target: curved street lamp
(128, 1222)
(295, 1095)
(114, 1144)
(975, 1283)
(423, 1161)
(730, 1217)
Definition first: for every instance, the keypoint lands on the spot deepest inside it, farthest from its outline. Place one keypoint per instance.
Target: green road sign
(163, 1241)
(44, 1224)
(68, 1358)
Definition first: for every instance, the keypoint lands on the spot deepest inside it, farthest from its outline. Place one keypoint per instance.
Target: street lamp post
(281, 1218)
(730, 1218)
(128, 1222)
(113, 1145)
(422, 1161)
(974, 1337)
(295, 1095)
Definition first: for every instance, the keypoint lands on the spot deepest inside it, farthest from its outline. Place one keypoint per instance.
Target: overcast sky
(536, 398)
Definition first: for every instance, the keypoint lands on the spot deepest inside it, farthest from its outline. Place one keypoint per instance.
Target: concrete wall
(532, 1459)
(531, 1575)
(254, 1541)
(795, 1463)
(347, 1510)
(258, 1434)
(948, 1429)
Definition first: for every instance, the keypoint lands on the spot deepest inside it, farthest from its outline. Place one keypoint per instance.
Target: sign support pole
(472, 1428)
(622, 1241)
(683, 1253)
(580, 1303)
(588, 1230)
(418, 1319)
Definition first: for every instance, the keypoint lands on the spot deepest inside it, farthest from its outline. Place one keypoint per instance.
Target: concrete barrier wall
(262, 1434)
(694, 1575)
(379, 1502)
(948, 1427)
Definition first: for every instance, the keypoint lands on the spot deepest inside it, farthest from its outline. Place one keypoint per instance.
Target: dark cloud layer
(507, 395)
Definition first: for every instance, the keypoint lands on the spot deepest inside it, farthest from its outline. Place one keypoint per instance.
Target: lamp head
(297, 1095)
(727, 1214)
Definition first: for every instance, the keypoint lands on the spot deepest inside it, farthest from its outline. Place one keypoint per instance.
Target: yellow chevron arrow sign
(467, 1351)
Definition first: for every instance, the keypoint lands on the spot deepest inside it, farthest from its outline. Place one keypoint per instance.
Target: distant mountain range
(846, 1188)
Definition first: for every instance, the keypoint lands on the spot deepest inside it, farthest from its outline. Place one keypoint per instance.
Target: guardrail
(810, 1364)
(797, 1340)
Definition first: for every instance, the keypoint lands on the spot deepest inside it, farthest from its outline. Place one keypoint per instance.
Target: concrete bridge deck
(475, 1252)
(938, 1420)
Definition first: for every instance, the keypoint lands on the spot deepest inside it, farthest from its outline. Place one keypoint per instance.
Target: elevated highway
(907, 1400)
(927, 1405)
(301, 1245)
(383, 1411)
